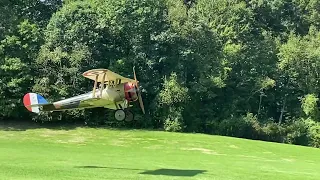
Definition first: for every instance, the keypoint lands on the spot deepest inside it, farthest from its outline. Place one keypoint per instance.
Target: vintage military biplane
(114, 92)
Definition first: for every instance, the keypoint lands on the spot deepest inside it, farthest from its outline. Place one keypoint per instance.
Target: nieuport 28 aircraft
(114, 92)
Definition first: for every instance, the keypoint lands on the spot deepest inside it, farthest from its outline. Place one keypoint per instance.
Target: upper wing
(105, 75)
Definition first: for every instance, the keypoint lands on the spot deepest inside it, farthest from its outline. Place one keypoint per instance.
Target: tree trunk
(260, 104)
(282, 109)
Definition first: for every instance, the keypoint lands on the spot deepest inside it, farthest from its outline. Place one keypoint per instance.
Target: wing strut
(102, 84)
(95, 86)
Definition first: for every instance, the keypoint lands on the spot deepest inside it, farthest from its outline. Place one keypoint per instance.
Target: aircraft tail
(32, 101)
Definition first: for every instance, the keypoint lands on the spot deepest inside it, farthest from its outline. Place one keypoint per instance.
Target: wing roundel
(96, 73)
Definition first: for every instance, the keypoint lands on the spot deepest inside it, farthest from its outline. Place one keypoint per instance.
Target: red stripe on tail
(26, 102)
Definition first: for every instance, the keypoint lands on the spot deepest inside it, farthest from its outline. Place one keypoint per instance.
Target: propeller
(138, 90)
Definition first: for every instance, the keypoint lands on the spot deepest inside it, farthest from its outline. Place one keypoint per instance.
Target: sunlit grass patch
(93, 153)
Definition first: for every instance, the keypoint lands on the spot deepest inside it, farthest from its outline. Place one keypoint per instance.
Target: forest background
(242, 68)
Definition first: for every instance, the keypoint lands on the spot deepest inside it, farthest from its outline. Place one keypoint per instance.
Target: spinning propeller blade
(138, 91)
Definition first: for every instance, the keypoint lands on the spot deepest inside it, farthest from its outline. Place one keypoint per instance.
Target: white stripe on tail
(32, 101)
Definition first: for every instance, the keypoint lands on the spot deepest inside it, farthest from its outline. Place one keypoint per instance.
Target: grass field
(89, 153)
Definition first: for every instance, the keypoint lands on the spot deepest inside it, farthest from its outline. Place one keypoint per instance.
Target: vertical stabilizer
(31, 100)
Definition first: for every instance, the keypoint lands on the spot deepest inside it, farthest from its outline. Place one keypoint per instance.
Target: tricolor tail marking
(31, 100)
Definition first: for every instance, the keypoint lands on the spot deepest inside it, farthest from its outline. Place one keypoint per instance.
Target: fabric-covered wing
(105, 75)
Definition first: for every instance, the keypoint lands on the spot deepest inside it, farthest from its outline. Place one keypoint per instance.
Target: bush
(314, 135)
(242, 127)
(253, 130)
(297, 133)
(173, 120)
(210, 126)
(273, 132)
(172, 125)
(249, 127)
(313, 132)
(232, 127)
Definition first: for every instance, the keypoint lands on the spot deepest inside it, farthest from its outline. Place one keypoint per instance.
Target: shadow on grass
(165, 172)
(174, 172)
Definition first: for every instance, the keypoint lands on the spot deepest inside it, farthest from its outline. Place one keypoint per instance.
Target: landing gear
(129, 116)
(119, 114)
(122, 112)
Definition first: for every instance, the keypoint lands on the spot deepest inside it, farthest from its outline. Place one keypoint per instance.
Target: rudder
(31, 100)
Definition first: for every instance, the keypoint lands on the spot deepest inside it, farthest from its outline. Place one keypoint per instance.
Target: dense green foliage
(239, 68)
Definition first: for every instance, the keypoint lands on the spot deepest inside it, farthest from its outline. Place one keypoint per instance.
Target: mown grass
(89, 153)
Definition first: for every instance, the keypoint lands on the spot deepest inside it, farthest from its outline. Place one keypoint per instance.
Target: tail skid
(33, 101)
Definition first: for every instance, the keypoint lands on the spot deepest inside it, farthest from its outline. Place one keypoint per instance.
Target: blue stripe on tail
(41, 100)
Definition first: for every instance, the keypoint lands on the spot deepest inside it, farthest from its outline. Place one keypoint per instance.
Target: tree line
(242, 68)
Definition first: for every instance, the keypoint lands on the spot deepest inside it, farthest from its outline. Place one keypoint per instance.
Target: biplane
(113, 92)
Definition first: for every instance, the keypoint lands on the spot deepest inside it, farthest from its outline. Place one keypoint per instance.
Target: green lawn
(88, 153)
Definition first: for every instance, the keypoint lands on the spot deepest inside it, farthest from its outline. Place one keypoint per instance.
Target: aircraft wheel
(119, 114)
(129, 115)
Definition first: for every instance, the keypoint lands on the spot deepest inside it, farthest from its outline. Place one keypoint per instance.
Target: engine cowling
(130, 92)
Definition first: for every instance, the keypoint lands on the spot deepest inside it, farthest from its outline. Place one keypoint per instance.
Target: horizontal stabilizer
(38, 105)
